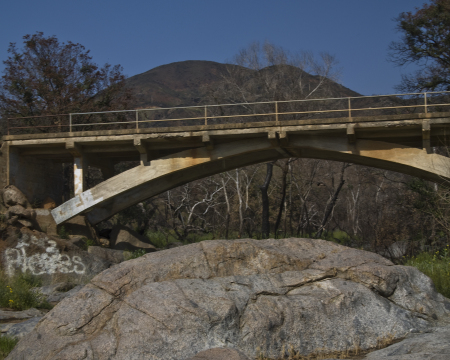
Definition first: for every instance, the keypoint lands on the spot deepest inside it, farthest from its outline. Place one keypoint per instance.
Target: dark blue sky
(141, 35)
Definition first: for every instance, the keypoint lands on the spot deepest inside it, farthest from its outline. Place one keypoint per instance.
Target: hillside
(191, 82)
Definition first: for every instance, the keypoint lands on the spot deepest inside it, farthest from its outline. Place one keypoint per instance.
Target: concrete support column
(206, 139)
(142, 148)
(426, 136)
(80, 167)
(351, 135)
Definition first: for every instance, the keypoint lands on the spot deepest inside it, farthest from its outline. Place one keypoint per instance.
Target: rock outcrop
(431, 345)
(220, 354)
(109, 255)
(243, 294)
(19, 323)
(16, 210)
(56, 292)
(123, 238)
(13, 196)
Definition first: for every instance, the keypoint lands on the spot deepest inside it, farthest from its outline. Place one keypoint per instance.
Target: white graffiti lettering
(49, 262)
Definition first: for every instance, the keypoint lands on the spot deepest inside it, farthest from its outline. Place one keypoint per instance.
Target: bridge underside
(145, 181)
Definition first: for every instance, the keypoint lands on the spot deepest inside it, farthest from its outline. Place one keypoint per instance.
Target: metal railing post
(349, 108)
(206, 115)
(137, 119)
(425, 102)
(70, 123)
(276, 112)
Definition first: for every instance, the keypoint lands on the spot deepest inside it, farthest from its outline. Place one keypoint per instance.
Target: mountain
(182, 83)
(192, 82)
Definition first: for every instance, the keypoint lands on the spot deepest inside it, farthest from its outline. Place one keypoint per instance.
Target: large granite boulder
(434, 344)
(220, 354)
(54, 293)
(254, 296)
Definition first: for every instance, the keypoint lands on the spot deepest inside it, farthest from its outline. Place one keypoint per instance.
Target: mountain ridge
(191, 82)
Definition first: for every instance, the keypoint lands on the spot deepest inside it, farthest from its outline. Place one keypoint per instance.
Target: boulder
(432, 345)
(123, 238)
(21, 329)
(19, 323)
(56, 292)
(220, 354)
(20, 211)
(251, 295)
(8, 315)
(104, 242)
(49, 203)
(51, 258)
(109, 255)
(46, 222)
(19, 216)
(13, 196)
(78, 240)
(78, 226)
(56, 297)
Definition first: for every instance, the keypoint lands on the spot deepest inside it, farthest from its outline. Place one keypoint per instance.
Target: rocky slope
(245, 294)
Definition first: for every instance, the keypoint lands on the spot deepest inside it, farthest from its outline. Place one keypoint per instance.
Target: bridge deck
(128, 144)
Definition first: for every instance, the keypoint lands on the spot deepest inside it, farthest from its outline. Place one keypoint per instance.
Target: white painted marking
(49, 262)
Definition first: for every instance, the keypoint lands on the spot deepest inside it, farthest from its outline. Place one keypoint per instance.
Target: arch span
(142, 182)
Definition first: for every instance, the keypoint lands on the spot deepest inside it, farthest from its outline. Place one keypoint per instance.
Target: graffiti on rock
(50, 261)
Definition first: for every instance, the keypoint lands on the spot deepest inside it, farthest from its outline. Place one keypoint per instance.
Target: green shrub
(15, 292)
(197, 237)
(62, 233)
(7, 343)
(436, 266)
(157, 238)
(87, 243)
(128, 255)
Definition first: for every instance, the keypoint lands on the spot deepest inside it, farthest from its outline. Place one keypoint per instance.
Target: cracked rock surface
(250, 295)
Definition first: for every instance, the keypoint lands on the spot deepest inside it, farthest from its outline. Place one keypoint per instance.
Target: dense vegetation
(435, 265)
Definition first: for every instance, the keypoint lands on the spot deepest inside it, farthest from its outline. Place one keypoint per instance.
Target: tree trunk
(284, 169)
(227, 201)
(241, 215)
(331, 203)
(265, 226)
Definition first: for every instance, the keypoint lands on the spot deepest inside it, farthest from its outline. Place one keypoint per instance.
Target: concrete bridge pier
(81, 163)
(80, 167)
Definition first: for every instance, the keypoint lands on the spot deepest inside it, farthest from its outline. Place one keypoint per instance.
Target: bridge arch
(142, 182)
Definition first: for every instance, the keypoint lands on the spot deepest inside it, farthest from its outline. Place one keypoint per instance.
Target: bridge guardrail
(276, 111)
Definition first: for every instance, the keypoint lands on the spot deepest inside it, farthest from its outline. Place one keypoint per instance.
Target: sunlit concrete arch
(142, 182)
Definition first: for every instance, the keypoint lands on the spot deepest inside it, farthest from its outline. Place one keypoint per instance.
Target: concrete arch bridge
(395, 133)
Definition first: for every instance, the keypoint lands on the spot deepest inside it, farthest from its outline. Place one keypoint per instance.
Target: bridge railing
(251, 112)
